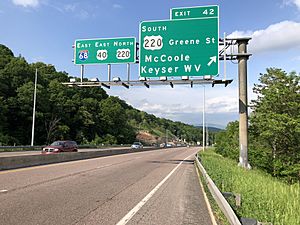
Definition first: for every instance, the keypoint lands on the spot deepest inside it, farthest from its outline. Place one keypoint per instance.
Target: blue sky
(44, 30)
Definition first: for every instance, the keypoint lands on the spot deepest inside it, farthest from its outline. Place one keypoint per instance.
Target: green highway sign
(105, 51)
(183, 47)
(195, 12)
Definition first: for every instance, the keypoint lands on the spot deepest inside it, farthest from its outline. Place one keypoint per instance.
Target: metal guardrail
(222, 202)
(218, 196)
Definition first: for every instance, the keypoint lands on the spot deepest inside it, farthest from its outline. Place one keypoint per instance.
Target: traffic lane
(73, 195)
(191, 210)
(109, 191)
(14, 179)
(180, 201)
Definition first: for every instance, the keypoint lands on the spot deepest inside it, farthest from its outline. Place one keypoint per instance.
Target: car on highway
(162, 145)
(60, 146)
(136, 145)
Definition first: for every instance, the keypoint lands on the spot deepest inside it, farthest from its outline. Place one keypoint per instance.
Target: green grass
(263, 197)
(218, 214)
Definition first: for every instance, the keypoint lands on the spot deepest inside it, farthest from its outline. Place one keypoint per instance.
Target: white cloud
(222, 104)
(297, 3)
(117, 6)
(26, 3)
(297, 58)
(183, 103)
(158, 108)
(83, 14)
(70, 7)
(280, 36)
(292, 2)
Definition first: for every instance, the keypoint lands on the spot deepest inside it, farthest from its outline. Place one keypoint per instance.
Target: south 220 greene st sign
(105, 51)
(186, 47)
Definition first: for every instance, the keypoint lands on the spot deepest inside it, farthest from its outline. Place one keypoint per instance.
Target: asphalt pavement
(153, 187)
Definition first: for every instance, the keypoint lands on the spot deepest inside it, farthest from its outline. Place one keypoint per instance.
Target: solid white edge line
(135, 209)
(212, 216)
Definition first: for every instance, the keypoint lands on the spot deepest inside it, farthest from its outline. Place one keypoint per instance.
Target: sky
(45, 30)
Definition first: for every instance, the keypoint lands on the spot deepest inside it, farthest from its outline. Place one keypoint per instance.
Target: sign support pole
(203, 120)
(128, 72)
(109, 71)
(243, 101)
(81, 72)
(225, 55)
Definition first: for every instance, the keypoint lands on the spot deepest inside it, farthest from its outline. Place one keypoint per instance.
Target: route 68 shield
(83, 55)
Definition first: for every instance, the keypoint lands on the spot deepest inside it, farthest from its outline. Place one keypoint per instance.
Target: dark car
(61, 146)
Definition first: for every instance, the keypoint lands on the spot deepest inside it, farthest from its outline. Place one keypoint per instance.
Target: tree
(115, 120)
(5, 56)
(227, 141)
(276, 119)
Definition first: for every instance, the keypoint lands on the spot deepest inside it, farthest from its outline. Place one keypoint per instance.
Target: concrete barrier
(14, 162)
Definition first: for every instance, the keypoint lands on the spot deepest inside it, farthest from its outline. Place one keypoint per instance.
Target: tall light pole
(166, 137)
(34, 103)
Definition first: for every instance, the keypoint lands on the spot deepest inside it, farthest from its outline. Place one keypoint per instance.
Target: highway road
(153, 187)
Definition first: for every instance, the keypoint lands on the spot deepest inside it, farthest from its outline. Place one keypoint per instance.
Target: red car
(61, 146)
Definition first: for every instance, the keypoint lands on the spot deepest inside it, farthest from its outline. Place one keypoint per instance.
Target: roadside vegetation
(274, 128)
(264, 197)
(85, 115)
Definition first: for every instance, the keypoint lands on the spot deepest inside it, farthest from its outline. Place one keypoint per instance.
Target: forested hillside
(86, 115)
(274, 129)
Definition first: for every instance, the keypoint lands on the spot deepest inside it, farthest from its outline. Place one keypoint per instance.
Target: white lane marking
(3, 191)
(132, 212)
(99, 167)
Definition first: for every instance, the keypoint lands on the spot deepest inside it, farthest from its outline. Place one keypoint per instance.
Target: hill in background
(86, 115)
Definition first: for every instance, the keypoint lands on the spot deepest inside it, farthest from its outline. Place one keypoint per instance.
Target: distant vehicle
(169, 145)
(116, 79)
(60, 146)
(136, 145)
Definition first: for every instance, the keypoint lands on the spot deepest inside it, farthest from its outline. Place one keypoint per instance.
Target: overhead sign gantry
(187, 45)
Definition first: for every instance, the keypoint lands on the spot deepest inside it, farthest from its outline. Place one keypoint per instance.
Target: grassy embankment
(263, 197)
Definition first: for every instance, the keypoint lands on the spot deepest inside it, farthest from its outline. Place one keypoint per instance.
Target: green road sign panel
(105, 51)
(195, 12)
(186, 47)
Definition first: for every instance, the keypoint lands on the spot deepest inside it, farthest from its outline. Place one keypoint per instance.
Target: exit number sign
(195, 12)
